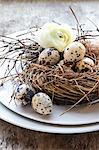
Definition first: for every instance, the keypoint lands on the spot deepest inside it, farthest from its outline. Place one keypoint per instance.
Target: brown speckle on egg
(49, 52)
(43, 101)
(48, 63)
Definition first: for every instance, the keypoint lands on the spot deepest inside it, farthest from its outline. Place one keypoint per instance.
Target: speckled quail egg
(49, 56)
(24, 94)
(42, 103)
(88, 61)
(74, 52)
(85, 64)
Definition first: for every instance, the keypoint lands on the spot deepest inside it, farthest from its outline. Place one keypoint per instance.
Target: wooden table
(20, 15)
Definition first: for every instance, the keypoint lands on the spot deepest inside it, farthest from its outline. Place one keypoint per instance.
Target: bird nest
(63, 83)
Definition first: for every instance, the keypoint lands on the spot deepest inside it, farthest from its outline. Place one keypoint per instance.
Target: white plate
(13, 118)
(77, 116)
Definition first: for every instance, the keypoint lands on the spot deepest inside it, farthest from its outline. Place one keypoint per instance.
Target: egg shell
(49, 56)
(21, 90)
(74, 52)
(88, 61)
(24, 94)
(61, 63)
(42, 103)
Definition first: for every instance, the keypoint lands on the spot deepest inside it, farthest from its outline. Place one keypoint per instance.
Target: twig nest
(55, 35)
(49, 56)
(24, 94)
(42, 103)
(74, 52)
(85, 64)
(93, 45)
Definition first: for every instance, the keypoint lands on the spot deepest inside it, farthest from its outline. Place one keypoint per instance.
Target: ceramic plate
(13, 118)
(77, 116)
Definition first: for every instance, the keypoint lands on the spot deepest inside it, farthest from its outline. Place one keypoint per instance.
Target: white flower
(54, 35)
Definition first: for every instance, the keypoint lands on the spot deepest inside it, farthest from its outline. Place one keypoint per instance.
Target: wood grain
(23, 14)
(15, 138)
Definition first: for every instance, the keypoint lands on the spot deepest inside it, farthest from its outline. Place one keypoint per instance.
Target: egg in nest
(49, 56)
(74, 52)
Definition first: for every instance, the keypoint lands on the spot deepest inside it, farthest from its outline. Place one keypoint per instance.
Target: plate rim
(56, 129)
(46, 121)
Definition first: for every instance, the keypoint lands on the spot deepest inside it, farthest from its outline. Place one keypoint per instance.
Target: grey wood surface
(22, 14)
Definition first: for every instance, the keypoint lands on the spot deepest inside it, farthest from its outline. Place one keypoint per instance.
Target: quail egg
(85, 64)
(24, 94)
(42, 103)
(49, 56)
(88, 61)
(74, 52)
